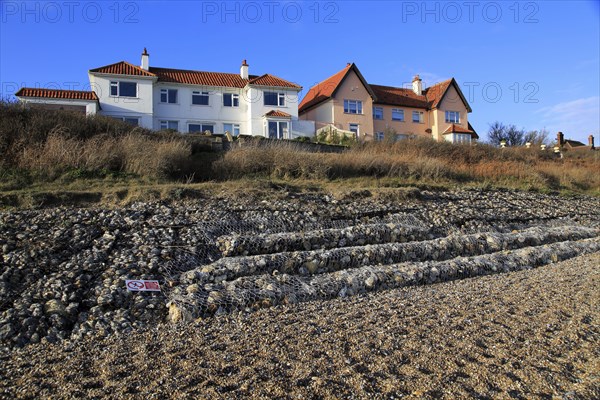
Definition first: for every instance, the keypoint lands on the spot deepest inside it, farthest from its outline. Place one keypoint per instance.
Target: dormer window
(123, 89)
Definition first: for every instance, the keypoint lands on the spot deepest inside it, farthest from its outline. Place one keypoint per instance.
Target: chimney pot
(591, 141)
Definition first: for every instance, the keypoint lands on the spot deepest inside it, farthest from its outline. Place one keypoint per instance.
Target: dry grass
(132, 153)
(421, 161)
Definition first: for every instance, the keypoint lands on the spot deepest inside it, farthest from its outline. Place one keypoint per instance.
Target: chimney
(560, 139)
(244, 70)
(591, 141)
(145, 60)
(417, 85)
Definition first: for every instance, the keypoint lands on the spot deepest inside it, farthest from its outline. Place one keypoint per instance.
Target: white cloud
(577, 119)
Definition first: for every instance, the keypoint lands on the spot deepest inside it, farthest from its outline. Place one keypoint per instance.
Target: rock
(55, 307)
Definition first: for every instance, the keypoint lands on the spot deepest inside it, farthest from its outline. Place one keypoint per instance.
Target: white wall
(255, 99)
(139, 107)
(91, 106)
(185, 112)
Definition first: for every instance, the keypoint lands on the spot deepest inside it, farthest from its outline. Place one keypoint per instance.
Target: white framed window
(274, 99)
(168, 96)
(354, 128)
(130, 120)
(352, 106)
(201, 128)
(417, 117)
(379, 136)
(377, 112)
(452, 117)
(200, 98)
(233, 129)
(166, 124)
(231, 100)
(397, 114)
(123, 89)
(277, 129)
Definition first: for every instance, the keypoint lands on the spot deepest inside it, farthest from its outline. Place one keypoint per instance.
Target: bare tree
(496, 133)
(537, 137)
(515, 136)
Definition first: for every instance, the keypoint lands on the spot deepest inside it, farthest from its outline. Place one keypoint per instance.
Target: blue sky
(534, 64)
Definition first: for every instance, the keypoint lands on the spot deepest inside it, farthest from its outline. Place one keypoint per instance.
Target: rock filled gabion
(63, 270)
(253, 292)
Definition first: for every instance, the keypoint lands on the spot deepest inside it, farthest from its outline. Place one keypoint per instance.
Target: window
(231, 100)
(353, 106)
(200, 98)
(377, 112)
(354, 128)
(417, 117)
(397, 114)
(201, 128)
(274, 99)
(234, 129)
(452, 116)
(130, 120)
(168, 96)
(169, 125)
(277, 129)
(379, 136)
(123, 89)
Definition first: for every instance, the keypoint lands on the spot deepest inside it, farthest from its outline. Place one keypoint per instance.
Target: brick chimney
(244, 70)
(145, 60)
(417, 85)
(560, 139)
(591, 141)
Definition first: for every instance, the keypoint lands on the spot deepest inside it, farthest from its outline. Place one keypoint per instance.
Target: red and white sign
(142, 286)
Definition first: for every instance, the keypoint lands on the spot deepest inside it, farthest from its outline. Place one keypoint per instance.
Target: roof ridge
(195, 70)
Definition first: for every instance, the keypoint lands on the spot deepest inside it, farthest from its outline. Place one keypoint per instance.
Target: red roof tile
(191, 77)
(199, 77)
(323, 91)
(271, 80)
(277, 113)
(122, 68)
(399, 97)
(57, 94)
(453, 128)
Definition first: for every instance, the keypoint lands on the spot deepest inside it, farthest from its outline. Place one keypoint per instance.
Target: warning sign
(142, 286)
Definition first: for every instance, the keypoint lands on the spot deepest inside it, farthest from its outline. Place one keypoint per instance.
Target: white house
(184, 100)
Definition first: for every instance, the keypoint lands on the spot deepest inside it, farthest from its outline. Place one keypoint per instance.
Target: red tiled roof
(436, 92)
(194, 77)
(57, 94)
(399, 97)
(323, 91)
(459, 129)
(271, 80)
(122, 68)
(199, 77)
(277, 113)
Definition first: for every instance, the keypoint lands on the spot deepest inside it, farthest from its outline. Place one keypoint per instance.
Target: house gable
(327, 89)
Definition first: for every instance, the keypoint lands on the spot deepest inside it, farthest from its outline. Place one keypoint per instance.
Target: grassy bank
(48, 152)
